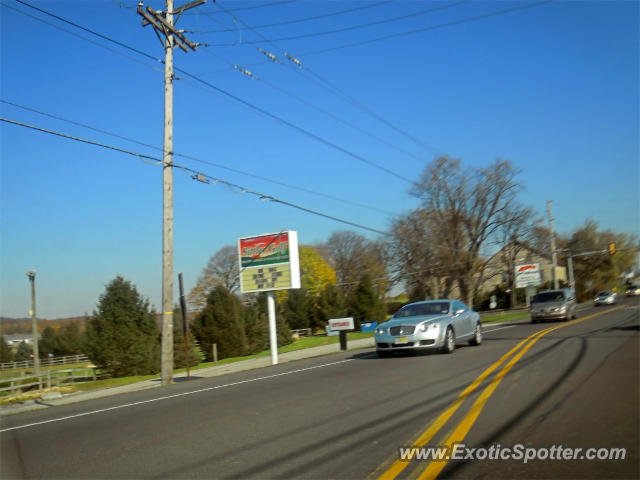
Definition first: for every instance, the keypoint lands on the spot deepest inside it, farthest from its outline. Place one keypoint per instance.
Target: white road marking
(93, 412)
(496, 329)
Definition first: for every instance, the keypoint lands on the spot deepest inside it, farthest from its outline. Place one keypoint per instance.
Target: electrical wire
(316, 107)
(58, 27)
(297, 128)
(426, 29)
(196, 159)
(241, 101)
(88, 30)
(306, 19)
(396, 35)
(346, 29)
(253, 7)
(205, 178)
(199, 176)
(323, 83)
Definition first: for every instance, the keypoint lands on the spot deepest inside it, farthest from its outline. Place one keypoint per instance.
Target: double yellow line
(461, 430)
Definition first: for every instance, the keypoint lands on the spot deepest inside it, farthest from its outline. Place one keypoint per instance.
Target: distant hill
(10, 325)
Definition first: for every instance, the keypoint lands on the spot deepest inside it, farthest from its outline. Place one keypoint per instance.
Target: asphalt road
(346, 415)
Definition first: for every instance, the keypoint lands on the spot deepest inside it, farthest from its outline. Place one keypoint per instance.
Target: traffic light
(612, 248)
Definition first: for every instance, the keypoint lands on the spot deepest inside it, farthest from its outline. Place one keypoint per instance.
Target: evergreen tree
(70, 340)
(221, 322)
(195, 354)
(256, 327)
(23, 353)
(365, 304)
(122, 337)
(6, 355)
(283, 329)
(48, 343)
(330, 304)
(297, 308)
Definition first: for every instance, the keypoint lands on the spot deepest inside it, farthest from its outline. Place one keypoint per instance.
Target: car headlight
(381, 331)
(428, 326)
(562, 309)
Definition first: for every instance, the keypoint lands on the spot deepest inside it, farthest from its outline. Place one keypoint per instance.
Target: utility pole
(34, 322)
(163, 24)
(572, 281)
(554, 255)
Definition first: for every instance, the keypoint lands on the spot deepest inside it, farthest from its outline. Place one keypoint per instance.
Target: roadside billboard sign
(528, 275)
(269, 262)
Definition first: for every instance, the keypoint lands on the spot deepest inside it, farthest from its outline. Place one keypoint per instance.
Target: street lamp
(34, 323)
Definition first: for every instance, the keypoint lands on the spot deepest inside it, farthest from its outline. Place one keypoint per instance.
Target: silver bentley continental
(429, 325)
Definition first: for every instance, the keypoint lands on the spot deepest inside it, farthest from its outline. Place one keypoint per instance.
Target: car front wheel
(449, 341)
(477, 336)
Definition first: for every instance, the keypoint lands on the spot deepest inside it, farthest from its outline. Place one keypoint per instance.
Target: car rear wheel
(449, 341)
(477, 336)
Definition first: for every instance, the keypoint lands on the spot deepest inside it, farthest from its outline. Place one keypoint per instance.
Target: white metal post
(273, 336)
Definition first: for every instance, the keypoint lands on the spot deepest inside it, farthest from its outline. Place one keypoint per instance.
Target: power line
(241, 101)
(346, 29)
(199, 176)
(196, 159)
(58, 27)
(306, 19)
(411, 32)
(323, 83)
(253, 7)
(297, 128)
(426, 29)
(354, 102)
(312, 105)
(209, 179)
(88, 30)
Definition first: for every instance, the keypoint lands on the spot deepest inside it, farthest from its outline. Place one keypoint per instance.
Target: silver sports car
(429, 325)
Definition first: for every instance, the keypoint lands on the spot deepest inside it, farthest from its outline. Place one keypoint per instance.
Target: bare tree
(465, 210)
(518, 228)
(417, 259)
(222, 269)
(352, 254)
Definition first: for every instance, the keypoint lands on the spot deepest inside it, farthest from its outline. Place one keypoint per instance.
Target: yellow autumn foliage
(315, 272)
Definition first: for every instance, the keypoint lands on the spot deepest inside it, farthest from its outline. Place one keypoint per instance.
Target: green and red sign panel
(269, 262)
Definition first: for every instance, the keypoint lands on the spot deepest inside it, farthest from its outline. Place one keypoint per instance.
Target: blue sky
(551, 86)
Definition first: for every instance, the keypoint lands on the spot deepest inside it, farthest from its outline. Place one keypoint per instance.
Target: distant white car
(632, 290)
(606, 297)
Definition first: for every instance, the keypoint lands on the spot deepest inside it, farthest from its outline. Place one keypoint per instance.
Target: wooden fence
(53, 378)
(301, 332)
(45, 362)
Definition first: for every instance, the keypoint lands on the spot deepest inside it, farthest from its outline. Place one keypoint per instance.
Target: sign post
(528, 275)
(269, 262)
(342, 325)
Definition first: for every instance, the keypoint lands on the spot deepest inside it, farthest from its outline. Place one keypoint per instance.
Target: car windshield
(549, 297)
(603, 294)
(417, 309)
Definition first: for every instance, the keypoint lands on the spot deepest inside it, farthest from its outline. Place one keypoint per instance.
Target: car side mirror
(460, 311)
